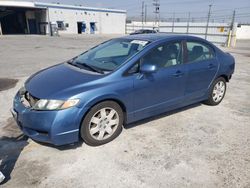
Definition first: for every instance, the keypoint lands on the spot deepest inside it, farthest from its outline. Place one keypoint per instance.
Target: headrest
(197, 50)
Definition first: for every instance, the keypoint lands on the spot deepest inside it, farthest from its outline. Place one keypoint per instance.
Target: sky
(222, 10)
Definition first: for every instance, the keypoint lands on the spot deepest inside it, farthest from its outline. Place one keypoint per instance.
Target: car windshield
(109, 55)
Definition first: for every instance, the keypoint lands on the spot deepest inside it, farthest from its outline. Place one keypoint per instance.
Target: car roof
(160, 36)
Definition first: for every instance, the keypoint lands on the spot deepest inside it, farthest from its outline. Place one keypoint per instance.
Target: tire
(217, 92)
(102, 124)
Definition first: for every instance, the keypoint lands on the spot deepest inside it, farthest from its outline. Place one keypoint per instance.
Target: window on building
(60, 25)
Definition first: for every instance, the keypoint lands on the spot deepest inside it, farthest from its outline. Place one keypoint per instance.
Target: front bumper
(58, 127)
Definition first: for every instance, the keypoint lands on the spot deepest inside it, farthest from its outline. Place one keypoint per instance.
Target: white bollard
(2, 177)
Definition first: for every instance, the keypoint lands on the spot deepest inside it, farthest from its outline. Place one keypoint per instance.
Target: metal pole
(159, 16)
(50, 26)
(208, 18)
(233, 19)
(145, 19)
(156, 4)
(173, 22)
(142, 13)
(1, 29)
(233, 36)
(188, 22)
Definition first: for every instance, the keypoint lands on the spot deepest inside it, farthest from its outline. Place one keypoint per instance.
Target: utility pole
(142, 13)
(156, 4)
(233, 20)
(145, 19)
(188, 22)
(232, 32)
(173, 22)
(208, 18)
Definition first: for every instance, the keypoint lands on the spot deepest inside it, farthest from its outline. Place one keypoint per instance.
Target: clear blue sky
(221, 9)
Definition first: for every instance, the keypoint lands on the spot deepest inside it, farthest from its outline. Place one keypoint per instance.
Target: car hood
(54, 80)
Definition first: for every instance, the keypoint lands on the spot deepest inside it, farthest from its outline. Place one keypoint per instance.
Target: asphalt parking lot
(197, 146)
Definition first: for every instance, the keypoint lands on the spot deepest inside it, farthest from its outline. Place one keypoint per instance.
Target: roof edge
(52, 5)
(29, 4)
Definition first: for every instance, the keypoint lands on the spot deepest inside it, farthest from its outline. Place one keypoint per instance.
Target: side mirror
(148, 68)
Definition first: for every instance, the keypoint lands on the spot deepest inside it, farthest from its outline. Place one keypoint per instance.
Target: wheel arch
(224, 76)
(96, 101)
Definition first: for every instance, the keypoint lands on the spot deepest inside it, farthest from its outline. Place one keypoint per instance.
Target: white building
(41, 18)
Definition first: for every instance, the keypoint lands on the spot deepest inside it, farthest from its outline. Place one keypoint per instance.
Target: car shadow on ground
(12, 146)
(12, 142)
(140, 122)
(63, 147)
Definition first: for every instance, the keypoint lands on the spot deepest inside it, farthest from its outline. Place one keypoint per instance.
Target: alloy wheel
(103, 123)
(218, 91)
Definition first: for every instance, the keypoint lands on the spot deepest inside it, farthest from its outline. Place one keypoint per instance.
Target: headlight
(44, 104)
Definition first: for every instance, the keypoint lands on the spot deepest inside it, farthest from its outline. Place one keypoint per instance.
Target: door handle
(178, 74)
(211, 66)
(140, 76)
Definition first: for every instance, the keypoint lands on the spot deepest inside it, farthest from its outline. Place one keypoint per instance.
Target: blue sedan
(92, 96)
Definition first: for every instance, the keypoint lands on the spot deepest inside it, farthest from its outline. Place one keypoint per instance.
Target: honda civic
(92, 96)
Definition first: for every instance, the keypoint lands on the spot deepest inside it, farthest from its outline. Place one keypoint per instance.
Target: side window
(198, 52)
(134, 69)
(165, 55)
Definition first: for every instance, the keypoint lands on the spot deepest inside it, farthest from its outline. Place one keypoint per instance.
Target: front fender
(120, 90)
(95, 100)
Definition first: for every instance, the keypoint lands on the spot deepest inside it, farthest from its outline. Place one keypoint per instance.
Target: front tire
(217, 92)
(102, 124)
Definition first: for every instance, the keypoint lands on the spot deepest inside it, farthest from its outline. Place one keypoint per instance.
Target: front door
(162, 90)
(202, 67)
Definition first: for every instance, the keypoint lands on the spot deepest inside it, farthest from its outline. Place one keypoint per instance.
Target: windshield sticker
(140, 42)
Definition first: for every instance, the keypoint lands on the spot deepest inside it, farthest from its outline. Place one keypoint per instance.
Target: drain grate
(7, 83)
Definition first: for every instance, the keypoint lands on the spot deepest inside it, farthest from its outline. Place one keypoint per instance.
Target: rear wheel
(102, 124)
(217, 92)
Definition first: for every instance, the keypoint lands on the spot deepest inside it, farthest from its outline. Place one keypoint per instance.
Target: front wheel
(102, 124)
(217, 92)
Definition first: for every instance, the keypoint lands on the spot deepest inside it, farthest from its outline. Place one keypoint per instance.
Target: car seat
(197, 53)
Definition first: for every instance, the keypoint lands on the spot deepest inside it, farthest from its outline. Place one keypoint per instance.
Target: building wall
(243, 32)
(106, 22)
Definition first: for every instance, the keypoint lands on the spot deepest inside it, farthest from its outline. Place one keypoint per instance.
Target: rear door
(202, 66)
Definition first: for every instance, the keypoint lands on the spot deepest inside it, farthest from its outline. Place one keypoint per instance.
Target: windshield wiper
(72, 63)
(82, 65)
(92, 68)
